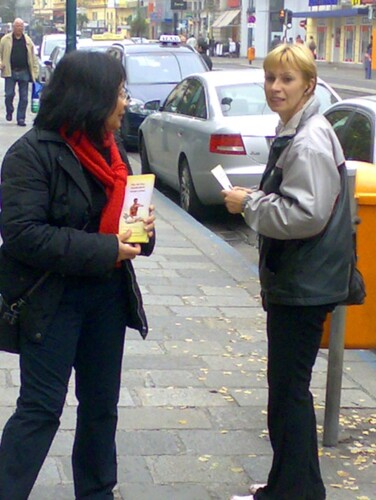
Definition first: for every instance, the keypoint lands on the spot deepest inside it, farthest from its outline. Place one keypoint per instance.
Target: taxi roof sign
(170, 39)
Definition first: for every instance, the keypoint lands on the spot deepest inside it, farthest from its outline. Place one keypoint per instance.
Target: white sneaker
(254, 487)
(248, 497)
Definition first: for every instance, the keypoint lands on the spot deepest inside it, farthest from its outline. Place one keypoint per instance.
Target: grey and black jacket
(46, 204)
(302, 214)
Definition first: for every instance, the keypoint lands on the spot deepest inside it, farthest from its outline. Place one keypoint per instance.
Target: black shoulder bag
(10, 318)
(357, 287)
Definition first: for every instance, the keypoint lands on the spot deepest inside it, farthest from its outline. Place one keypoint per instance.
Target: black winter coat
(46, 203)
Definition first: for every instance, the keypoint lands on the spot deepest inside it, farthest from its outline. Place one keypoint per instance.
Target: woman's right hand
(127, 250)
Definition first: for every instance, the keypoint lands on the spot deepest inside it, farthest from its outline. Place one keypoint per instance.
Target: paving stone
(166, 362)
(9, 360)
(172, 253)
(145, 443)
(231, 379)
(149, 418)
(175, 378)
(59, 492)
(49, 474)
(224, 442)
(190, 397)
(230, 363)
(125, 398)
(239, 418)
(148, 347)
(200, 347)
(133, 469)
(62, 444)
(142, 491)
(221, 302)
(202, 469)
(169, 290)
(8, 396)
(164, 300)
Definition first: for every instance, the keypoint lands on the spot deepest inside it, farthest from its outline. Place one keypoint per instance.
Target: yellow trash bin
(251, 54)
(360, 329)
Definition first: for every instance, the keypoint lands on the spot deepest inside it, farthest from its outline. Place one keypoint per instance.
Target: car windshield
(161, 68)
(243, 99)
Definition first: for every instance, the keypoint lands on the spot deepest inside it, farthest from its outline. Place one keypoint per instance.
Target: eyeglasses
(124, 94)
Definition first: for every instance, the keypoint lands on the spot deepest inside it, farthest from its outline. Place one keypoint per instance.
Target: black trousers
(294, 335)
(87, 333)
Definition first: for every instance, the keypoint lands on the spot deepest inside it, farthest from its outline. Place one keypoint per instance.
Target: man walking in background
(18, 64)
(202, 48)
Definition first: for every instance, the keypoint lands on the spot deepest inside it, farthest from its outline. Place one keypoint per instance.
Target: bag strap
(21, 302)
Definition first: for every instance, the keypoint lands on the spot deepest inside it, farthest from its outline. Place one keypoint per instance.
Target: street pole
(71, 28)
(250, 11)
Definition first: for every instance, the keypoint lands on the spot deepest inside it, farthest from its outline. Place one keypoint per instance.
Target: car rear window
(243, 99)
(162, 68)
(148, 68)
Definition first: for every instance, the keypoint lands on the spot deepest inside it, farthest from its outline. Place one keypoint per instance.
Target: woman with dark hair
(63, 185)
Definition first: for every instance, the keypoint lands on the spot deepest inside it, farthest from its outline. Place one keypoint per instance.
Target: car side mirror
(153, 105)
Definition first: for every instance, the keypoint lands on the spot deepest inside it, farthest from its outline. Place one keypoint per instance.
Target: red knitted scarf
(113, 177)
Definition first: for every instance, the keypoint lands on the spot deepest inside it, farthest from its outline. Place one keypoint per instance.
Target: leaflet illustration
(221, 177)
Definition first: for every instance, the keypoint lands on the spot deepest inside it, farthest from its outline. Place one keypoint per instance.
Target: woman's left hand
(234, 199)
(149, 222)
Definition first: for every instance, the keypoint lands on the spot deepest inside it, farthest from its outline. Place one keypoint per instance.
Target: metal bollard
(334, 376)
(336, 349)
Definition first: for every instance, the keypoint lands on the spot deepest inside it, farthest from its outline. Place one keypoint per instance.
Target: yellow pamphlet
(137, 200)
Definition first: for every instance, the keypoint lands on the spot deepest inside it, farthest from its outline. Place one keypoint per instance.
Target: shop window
(349, 43)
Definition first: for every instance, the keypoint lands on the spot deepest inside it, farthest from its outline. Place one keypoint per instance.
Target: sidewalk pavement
(192, 411)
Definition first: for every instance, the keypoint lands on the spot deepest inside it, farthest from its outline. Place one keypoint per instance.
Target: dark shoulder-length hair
(81, 94)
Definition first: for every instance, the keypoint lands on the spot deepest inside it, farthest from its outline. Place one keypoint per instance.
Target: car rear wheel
(145, 165)
(188, 197)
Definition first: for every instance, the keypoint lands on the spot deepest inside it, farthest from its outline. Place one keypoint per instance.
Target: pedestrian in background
(301, 212)
(312, 46)
(19, 65)
(192, 42)
(63, 186)
(368, 61)
(202, 48)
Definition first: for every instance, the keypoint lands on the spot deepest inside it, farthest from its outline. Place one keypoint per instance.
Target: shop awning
(358, 11)
(226, 18)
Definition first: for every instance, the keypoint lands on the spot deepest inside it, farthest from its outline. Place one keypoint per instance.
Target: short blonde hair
(297, 56)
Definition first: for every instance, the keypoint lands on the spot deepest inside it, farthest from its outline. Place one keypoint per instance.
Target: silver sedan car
(218, 117)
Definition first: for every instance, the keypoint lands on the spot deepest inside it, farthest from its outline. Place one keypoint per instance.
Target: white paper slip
(221, 177)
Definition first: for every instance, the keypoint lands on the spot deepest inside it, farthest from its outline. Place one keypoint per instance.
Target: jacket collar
(64, 159)
(310, 108)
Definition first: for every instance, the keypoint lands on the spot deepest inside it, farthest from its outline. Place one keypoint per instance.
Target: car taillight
(227, 144)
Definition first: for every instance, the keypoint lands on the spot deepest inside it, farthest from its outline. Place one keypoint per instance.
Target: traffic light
(289, 18)
(282, 16)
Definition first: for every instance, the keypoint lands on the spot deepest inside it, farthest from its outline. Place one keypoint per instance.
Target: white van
(49, 42)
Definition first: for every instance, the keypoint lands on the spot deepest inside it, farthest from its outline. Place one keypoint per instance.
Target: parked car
(354, 121)
(209, 119)
(98, 44)
(152, 71)
(49, 42)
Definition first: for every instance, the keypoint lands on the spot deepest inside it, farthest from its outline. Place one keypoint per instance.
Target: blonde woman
(301, 213)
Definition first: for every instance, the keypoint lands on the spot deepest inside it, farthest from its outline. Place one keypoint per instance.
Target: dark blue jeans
(87, 333)
(22, 78)
(294, 335)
